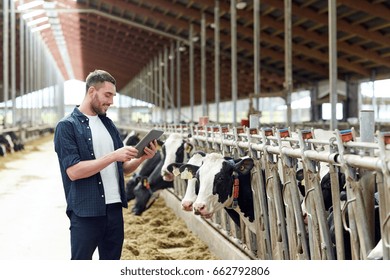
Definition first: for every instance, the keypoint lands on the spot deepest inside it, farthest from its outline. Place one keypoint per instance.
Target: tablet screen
(149, 137)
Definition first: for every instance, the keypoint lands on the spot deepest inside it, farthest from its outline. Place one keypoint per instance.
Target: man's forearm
(87, 168)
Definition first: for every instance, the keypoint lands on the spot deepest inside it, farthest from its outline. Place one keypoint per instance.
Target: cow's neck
(238, 201)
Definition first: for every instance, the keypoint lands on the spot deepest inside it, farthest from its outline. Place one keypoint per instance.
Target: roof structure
(124, 36)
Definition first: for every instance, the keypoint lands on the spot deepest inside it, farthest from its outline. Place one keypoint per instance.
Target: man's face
(102, 97)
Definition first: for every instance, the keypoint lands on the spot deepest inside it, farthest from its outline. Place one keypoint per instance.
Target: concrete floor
(33, 223)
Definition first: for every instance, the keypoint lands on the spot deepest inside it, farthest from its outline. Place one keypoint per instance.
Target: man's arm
(150, 151)
(87, 168)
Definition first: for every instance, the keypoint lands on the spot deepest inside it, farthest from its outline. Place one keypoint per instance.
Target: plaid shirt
(73, 143)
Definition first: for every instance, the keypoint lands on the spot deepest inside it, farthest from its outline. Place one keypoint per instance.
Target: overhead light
(212, 25)
(171, 57)
(195, 39)
(182, 48)
(41, 27)
(37, 21)
(241, 4)
(30, 5)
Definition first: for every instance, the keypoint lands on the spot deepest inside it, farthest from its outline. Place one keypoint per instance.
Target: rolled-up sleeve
(65, 144)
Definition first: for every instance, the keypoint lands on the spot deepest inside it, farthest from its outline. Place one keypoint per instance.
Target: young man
(93, 162)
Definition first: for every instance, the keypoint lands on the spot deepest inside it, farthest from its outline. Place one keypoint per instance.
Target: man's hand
(150, 150)
(125, 153)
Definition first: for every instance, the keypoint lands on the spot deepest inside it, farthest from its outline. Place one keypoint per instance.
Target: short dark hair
(98, 76)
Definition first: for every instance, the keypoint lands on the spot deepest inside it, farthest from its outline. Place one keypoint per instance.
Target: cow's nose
(187, 205)
(199, 208)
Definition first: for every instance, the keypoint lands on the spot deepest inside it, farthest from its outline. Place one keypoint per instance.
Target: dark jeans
(105, 233)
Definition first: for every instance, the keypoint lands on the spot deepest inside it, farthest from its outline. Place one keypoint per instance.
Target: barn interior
(195, 67)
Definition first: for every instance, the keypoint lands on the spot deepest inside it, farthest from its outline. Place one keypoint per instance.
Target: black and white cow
(131, 139)
(147, 189)
(175, 149)
(145, 170)
(187, 172)
(16, 141)
(225, 183)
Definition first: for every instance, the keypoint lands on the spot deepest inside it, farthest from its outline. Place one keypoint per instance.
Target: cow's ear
(188, 147)
(244, 166)
(160, 143)
(188, 171)
(174, 168)
(203, 154)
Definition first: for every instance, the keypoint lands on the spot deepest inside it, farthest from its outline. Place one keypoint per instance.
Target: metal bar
(217, 80)
(288, 58)
(13, 62)
(191, 70)
(233, 30)
(332, 10)
(178, 81)
(172, 80)
(203, 64)
(5, 58)
(165, 83)
(256, 48)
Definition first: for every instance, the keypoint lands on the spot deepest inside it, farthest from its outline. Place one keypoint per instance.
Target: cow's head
(144, 196)
(130, 186)
(217, 177)
(175, 149)
(187, 172)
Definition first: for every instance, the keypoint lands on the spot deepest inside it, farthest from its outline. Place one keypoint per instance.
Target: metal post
(191, 33)
(156, 87)
(13, 62)
(172, 81)
(217, 59)
(203, 64)
(22, 65)
(165, 84)
(332, 10)
(5, 57)
(288, 58)
(178, 81)
(233, 28)
(256, 49)
(160, 87)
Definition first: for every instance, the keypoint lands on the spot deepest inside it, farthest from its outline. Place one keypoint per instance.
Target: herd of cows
(10, 143)
(215, 182)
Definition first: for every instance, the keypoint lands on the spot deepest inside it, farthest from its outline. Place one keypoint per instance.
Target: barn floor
(33, 223)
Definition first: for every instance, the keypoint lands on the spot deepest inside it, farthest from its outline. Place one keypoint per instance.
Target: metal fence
(281, 230)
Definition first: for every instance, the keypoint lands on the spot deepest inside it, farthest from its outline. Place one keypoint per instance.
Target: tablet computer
(149, 137)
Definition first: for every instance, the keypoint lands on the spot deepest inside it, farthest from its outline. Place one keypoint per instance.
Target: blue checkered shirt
(73, 143)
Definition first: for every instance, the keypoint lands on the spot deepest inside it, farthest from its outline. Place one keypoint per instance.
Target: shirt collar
(81, 116)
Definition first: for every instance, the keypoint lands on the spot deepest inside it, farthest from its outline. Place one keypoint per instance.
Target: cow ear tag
(176, 171)
(146, 184)
(188, 148)
(236, 187)
(186, 174)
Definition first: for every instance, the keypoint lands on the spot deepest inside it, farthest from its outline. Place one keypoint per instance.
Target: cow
(187, 172)
(131, 139)
(144, 171)
(7, 144)
(16, 141)
(225, 183)
(147, 189)
(175, 149)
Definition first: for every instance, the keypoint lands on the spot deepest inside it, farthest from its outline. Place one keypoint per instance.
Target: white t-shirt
(102, 145)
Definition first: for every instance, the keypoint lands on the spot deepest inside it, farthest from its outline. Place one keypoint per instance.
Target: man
(93, 162)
